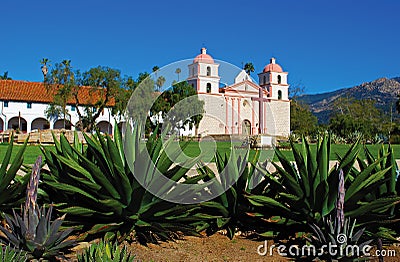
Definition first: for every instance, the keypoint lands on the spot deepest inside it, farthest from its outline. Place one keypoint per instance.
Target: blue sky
(325, 45)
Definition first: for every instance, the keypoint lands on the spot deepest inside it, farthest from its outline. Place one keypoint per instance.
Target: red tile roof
(16, 90)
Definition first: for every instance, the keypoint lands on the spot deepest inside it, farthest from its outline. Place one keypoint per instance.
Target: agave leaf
(290, 182)
(43, 227)
(98, 228)
(301, 163)
(263, 200)
(347, 162)
(56, 143)
(6, 160)
(98, 175)
(126, 188)
(374, 206)
(14, 166)
(365, 179)
(70, 189)
(357, 235)
(81, 211)
(287, 165)
(217, 206)
(65, 146)
(77, 168)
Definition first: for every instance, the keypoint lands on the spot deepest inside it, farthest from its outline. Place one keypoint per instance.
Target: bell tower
(274, 80)
(203, 73)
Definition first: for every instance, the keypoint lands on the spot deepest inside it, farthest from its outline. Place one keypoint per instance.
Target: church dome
(272, 67)
(203, 57)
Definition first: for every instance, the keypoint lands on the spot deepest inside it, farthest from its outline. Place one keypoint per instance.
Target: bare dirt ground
(214, 248)
(218, 248)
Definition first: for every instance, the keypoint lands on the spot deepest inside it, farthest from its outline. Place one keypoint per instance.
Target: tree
(60, 84)
(353, 115)
(179, 106)
(160, 82)
(249, 68)
(155, 70)
(105, 84)
(44, 62)
(178, 71)
(5, 76)
(398, 104)
(302, 121)
(54, 112)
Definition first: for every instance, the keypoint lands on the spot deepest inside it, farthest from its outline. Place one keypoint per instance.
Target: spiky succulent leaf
(12, 187)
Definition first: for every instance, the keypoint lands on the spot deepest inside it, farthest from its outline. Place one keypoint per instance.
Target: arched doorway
(40, 123)
(246, 127)
(59, 124)
(17, 123)
(2, 127)
(105, 127)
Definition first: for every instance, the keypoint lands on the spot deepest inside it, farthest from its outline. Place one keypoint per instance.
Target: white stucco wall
(37, 113)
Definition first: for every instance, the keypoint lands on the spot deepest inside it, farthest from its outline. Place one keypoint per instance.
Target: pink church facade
(245, 107)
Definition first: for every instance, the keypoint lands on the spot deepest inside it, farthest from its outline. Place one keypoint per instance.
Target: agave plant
(342, 237)
(12, 187)
(33, 231)
(97, 182)
(387, 217)
(107, 252)
(302, 192)
(338, 233)
(7, 253)
(231, 209)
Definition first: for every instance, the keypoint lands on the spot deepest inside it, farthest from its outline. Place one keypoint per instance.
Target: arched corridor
(17, 123)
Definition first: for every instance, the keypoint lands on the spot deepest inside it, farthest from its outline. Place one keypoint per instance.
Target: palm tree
(178, 71)
(53, 112)
(44, 67)
(5, 76)
(155, 70)
(160, 82)
(249, 68)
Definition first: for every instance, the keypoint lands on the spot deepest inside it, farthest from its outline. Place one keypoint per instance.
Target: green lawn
(225, 147)
(31, 153)
(193, 149)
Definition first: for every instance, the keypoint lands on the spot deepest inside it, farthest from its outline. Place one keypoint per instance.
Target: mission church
(245, 107)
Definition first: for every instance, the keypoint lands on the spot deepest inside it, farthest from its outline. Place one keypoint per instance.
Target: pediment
(245, 86)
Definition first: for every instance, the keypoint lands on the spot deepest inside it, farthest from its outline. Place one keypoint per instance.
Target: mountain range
(383, 91)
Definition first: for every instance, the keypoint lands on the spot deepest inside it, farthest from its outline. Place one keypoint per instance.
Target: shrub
(105, 251)
(97, 182)
(7, 253)
(301, 193)
(33, 231)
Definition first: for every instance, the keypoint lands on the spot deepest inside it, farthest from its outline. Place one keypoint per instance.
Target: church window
(5, 103)
(29, 105)
(265, 79)
(279, 79)
(279, 94)
(208, 87)
(208, 71)
(192, 85)
(192, 71)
